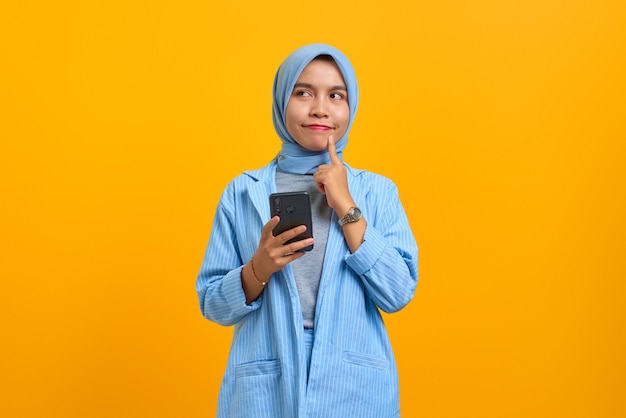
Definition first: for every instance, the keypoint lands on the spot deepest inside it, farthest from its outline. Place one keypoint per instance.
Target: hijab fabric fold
(292, 157)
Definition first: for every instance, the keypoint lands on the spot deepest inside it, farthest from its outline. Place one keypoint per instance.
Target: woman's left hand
(332, 180)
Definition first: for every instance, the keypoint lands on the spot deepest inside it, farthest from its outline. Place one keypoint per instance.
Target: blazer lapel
(259, 191)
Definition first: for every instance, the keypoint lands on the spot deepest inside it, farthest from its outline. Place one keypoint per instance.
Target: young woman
(309, 339)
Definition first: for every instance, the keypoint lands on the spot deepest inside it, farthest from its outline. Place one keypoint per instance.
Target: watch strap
(353, 215)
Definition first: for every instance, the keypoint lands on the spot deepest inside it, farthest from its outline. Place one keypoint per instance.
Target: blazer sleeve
(386, 261)
(218, 285)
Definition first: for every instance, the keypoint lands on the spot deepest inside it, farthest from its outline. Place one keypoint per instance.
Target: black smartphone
(294, 209)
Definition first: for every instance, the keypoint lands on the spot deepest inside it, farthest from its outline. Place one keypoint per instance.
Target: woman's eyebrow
(310, 86)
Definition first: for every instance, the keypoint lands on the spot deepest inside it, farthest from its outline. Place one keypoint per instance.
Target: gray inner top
(308, 269)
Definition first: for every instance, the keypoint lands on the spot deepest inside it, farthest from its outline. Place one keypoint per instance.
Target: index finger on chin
(332, 151)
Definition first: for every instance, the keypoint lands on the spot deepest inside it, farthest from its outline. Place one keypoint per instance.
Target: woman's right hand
(272, 254)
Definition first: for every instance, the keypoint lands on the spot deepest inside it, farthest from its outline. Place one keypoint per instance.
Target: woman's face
(318, 106)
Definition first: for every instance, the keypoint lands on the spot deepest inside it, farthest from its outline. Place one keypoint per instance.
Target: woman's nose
(319, 108)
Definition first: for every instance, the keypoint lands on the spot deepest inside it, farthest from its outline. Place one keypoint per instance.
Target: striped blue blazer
(353, 372)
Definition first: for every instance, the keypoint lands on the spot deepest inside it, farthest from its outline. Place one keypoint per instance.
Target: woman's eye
(336, 96)
(303, 93)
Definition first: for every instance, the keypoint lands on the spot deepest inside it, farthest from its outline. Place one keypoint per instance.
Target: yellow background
(502, 123)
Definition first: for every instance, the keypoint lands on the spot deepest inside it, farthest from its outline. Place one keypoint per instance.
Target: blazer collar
(259, 191)
(265, 184)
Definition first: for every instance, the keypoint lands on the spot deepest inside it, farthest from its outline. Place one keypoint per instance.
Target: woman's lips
(318, 127)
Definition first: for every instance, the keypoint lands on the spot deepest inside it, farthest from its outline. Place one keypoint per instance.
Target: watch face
(353, 215)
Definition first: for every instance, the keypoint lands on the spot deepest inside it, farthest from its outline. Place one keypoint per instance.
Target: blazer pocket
(258, 390)
(257, 368)
(365, 360)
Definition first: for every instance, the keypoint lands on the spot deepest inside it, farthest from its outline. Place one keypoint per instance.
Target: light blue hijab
(293, 158)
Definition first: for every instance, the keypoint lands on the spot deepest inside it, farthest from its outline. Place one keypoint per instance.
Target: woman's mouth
(318, 127)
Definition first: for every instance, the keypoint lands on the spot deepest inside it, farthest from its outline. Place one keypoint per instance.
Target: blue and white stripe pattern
(353, 371)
